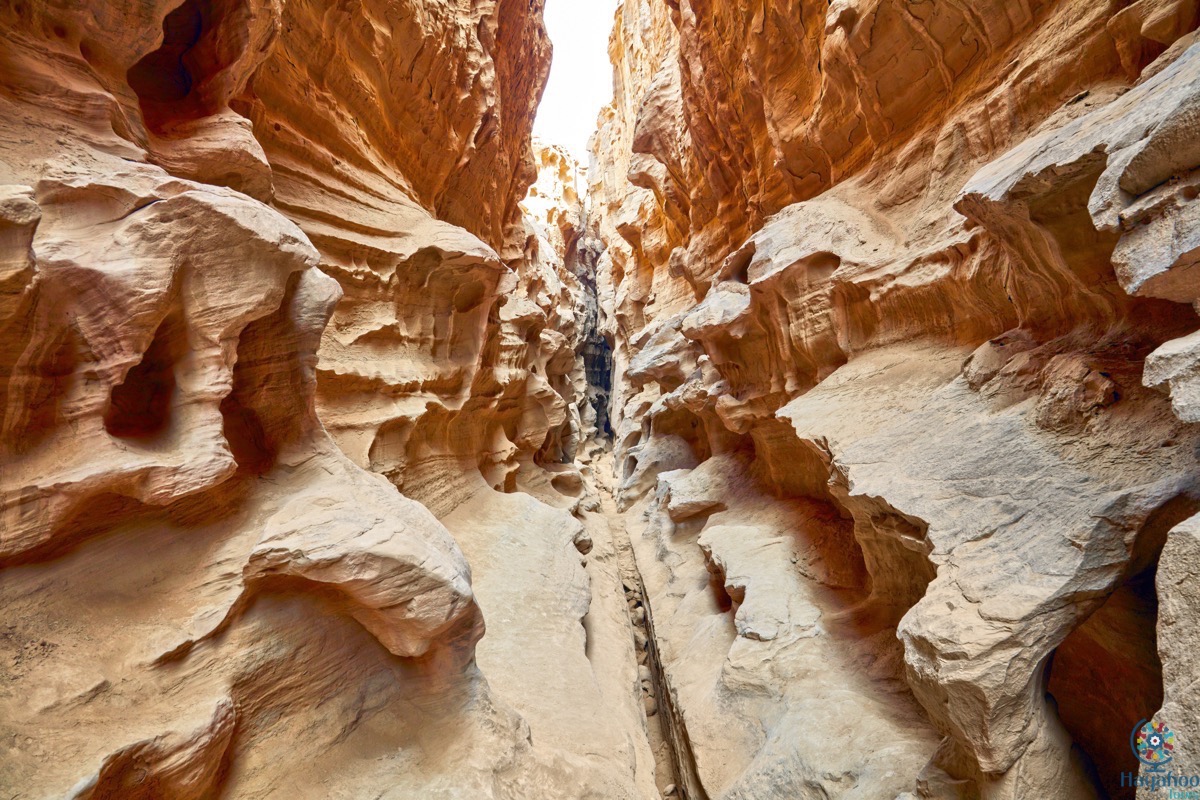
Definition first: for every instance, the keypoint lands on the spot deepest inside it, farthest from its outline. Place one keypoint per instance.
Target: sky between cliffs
(580, 76)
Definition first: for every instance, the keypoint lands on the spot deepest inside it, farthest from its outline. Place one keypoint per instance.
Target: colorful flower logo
(1153, 744)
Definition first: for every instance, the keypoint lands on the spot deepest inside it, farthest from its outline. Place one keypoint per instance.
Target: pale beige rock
(923, 258)
(1178, 611)
(547, 628)
(554, 203)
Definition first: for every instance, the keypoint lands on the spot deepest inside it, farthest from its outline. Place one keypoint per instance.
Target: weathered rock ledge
(904, 335)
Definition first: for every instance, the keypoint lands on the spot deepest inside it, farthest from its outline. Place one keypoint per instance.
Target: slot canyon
(833, 432)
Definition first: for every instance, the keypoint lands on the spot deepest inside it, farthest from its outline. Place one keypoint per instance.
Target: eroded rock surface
(250, 254)
(310, 360)
(903, 317)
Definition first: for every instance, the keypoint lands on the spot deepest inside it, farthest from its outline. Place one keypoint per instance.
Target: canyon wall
(901, 296)
(833, 435)
(274, 330)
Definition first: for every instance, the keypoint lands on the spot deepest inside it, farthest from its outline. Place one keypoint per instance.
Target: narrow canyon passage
(831, 433)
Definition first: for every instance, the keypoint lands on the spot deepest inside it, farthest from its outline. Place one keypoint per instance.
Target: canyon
(831, 434)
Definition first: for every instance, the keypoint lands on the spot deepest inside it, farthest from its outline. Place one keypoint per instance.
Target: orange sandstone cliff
(264, 265)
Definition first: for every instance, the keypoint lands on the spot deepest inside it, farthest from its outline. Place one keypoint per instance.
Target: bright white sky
(580, 77)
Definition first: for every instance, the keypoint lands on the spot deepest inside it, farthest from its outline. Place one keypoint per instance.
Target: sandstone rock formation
(904, 371)
(832, 435)
(227, 229)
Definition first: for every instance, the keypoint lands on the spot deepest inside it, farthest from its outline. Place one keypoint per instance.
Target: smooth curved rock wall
(250, 252)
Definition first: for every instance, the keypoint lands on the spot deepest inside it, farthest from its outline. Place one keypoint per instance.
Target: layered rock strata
(903, 363)
(254, 252)
(309, 360)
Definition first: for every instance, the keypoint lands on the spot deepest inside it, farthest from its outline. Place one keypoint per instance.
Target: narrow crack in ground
(675, 767)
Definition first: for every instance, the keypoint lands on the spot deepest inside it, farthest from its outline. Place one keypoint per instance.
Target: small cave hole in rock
(267, 406)
(716, 582)
(559, 446)
(569, 484)
(247, 437)
(165, 80)
(140, 406)
(589, 638)
(687, 426)
(822, 266)
(631, 465)
(737, 268)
